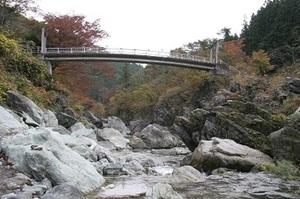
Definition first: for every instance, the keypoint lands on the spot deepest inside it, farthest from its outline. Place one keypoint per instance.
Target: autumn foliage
(78, 77)
(72, 31)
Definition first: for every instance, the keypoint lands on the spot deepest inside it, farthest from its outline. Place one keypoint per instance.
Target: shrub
(16, 61)
(261, 62)
(284, 169)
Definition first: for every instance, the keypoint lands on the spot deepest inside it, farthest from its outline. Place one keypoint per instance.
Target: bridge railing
(125, 51)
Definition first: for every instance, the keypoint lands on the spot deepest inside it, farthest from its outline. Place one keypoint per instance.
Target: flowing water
(226, 185)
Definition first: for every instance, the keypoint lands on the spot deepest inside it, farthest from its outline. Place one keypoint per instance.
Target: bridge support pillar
(49, 67)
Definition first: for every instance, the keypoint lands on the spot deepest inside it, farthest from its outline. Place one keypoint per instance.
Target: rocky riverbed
(46, 155)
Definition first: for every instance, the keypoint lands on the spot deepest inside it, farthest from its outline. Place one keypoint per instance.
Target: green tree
(276, 29)
(227, 36)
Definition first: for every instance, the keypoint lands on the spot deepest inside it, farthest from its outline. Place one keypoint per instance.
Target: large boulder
(23, 104)
(63, 191)
(217, 153)
(42, 153)
(118, 124)
(10, 123)
(113, 136)
(65, 120)
(155, 136)
(286, 144)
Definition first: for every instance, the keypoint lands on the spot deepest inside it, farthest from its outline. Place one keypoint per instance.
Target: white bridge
(130, 55)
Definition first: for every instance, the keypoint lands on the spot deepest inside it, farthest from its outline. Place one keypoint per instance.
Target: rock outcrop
(22, 104)
(217, 153)
(286, 144)
(242, 122)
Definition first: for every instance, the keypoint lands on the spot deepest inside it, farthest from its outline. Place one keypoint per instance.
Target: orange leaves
(233, 51)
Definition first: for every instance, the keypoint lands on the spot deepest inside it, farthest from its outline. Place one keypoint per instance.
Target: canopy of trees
(276, 29)
(70, 31)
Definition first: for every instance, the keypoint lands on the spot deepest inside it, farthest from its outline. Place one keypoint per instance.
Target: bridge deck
(127, 55)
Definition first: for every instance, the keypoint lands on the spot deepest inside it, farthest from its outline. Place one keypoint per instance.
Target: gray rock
(137, 125)
(57, 162)
(28, 120)
(294, 86)
(64, 191)
(22, 104)
(118, 124)
(35, 190)
(70, 111)
(65, 120)
(286, 144)
(113, 136)
(137, 143)
(294, 119)
(216, 153)
(9, 123)
(101, 164)
(79, 129)
(62, 130)
(164, 191)
(114, 170)
(157, 137)
(171, 152)
(186, 174)
(17, 196)
(93, 119)
(50, 119)
(134, 166)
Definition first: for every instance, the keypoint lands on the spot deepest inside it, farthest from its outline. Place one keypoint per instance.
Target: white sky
(158, 24)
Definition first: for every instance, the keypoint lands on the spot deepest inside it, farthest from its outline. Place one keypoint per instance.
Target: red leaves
(72, 31)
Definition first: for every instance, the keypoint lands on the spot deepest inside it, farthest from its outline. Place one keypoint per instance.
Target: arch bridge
(130, 55)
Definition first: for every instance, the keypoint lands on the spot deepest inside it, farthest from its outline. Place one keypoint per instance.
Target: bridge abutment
(49, 67)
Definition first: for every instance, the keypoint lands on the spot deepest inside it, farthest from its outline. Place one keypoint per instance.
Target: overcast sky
(158, 24)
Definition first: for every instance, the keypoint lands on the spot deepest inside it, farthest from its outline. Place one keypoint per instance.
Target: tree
(261, 62)
(227, 36)
(9, 8)
(72, 31)
(275, 28)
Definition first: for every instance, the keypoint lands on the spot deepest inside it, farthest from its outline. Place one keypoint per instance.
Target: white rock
(113, 136)
(9, 124)
(56, 161)
(216, 153)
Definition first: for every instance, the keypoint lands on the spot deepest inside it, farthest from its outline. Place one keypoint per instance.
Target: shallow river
(226, 185)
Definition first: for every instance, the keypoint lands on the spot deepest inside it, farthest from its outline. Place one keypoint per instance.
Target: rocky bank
(214, 153)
